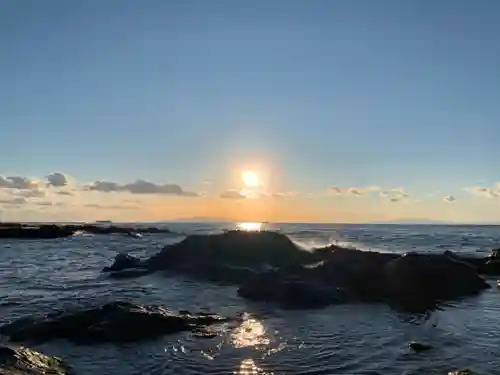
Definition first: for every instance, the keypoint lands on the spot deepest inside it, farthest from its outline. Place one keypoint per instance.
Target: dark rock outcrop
(232, 257)
(124, 261)
(423, 280)
(268, 266)
(115, 229)
(234, 248)
(113, 322)
(35, 233)
(24, 361)
(413, 282)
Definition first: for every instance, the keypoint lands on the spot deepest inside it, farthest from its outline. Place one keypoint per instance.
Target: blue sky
(311, 93)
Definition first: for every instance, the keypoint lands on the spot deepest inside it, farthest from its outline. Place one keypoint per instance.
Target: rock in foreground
(24, 361)
(115, 322)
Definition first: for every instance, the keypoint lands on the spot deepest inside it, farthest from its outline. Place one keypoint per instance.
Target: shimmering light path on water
(36, 276)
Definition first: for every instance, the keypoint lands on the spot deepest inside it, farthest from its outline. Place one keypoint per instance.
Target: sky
(339, 111)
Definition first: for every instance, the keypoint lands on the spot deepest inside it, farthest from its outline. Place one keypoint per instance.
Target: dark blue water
(350, 339)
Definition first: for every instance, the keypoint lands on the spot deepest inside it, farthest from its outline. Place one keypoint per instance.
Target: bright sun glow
(249, 227)
(250, 178)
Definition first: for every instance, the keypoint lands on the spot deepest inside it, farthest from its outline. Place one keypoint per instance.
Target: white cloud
(485, 192)
(57, 179)
(449, 199)
(140, 187)
(394, 195)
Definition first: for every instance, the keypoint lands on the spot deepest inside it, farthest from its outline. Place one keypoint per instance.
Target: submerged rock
(419, 347)
(24, 361)
(113, 322)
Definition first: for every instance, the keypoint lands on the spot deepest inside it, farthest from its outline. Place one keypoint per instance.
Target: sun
(250, 178)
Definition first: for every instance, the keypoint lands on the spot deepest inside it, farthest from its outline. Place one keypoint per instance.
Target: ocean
(37, 276)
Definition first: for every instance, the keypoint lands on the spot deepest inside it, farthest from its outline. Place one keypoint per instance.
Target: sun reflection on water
(249, 367)
(250, 332)
(250, 227)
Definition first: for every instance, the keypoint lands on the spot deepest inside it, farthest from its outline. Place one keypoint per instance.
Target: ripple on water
(356, 339)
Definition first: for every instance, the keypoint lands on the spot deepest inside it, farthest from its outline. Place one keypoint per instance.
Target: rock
(124, 261)
(114, 322)
(24, 361)
(491, 267)
(35, 233)
(252, 250)
(462, 372)
(420, 281)
(129, 273)
(230, 258)
(113, 229)
(418, 347)
(289, 292)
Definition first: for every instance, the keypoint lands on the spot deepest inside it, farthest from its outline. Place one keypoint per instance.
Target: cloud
(140, 187)
(45, 203)
(36, 193)
(484, 192)
(362, 190)
(335, 190)
(358, 191)
(18, 182)
(449, 199)
(14, 201)
(112, 207)
(64, 192)
(56, 179)
(285, 194)
(232, 194)
(394, 195)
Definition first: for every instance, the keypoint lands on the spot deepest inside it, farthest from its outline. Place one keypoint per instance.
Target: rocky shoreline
(267, 267)
(51, 231)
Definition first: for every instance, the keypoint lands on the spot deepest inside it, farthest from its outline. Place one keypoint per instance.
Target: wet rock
(423, 280)
(129, 273)
(206, 332)
(230, 258)
(24, 361)
(123, 262)
(419, 347)
(291, 292)
(491, 267)
(113, 322)
(252, 250)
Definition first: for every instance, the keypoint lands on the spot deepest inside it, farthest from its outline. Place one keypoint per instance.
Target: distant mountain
(414, 221)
